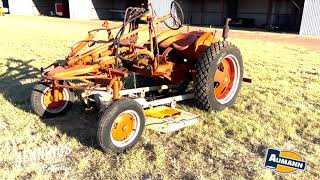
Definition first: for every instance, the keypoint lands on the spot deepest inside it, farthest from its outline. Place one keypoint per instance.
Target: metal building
(285, 15)
(100, 9)
(310, 24)
(35, 7)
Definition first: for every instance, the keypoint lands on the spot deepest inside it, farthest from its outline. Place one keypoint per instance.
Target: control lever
(226, 29)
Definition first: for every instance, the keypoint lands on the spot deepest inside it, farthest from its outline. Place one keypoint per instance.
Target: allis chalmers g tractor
(161, 69)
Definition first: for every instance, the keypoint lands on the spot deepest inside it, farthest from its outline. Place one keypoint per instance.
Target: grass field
(280, 109)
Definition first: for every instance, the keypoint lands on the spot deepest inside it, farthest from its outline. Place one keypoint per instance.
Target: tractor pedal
(247, 80)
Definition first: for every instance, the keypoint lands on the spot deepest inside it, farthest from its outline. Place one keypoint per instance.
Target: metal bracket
(102, 97)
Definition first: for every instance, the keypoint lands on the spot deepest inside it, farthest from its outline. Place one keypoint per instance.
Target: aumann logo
(284, 161)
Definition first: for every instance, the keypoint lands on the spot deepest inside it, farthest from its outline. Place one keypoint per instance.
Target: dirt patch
(311, 43)
(308, 42)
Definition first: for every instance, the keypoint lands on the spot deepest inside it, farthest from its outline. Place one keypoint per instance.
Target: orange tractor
(161, 71)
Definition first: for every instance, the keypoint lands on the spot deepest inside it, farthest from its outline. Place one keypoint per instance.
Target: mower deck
(166, 120)
(159, 116)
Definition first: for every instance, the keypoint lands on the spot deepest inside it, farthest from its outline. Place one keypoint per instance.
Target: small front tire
(121, 125)
(42, 104)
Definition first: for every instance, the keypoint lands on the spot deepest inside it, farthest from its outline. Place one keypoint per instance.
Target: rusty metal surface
(103, 65)
(179, 42)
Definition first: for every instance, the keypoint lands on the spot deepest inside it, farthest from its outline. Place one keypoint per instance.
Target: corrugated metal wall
(285, 14)
(257, 10)
(111, 9)
(80, 9)
(43, 7)
(203, 12)
(31, 7)
(18, 7)
(161, 7)
(108, 9)
(310, 24)
(100, 9)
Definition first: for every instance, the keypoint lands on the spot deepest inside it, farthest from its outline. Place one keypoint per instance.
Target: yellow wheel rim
(123, 127)
(49, 103)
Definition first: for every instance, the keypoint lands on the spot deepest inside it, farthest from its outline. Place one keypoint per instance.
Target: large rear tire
(121, 125)
(219, 76)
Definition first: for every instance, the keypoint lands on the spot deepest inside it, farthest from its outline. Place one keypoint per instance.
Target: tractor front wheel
(120, 125)
(219, 76)
(43, 104)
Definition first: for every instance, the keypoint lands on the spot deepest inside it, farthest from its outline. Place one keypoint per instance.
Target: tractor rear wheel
(120, 125)
(219, 76)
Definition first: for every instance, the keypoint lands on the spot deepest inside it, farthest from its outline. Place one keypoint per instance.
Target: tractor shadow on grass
(16, 86)
(17, 82)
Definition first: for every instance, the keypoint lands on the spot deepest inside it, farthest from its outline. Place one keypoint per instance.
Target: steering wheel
(177, 16)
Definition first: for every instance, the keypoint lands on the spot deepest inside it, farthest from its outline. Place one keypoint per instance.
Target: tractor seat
(179, 42)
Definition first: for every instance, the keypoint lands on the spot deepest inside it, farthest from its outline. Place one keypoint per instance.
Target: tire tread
(203, 67)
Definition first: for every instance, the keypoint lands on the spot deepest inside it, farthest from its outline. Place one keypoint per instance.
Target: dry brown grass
(279, 109)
